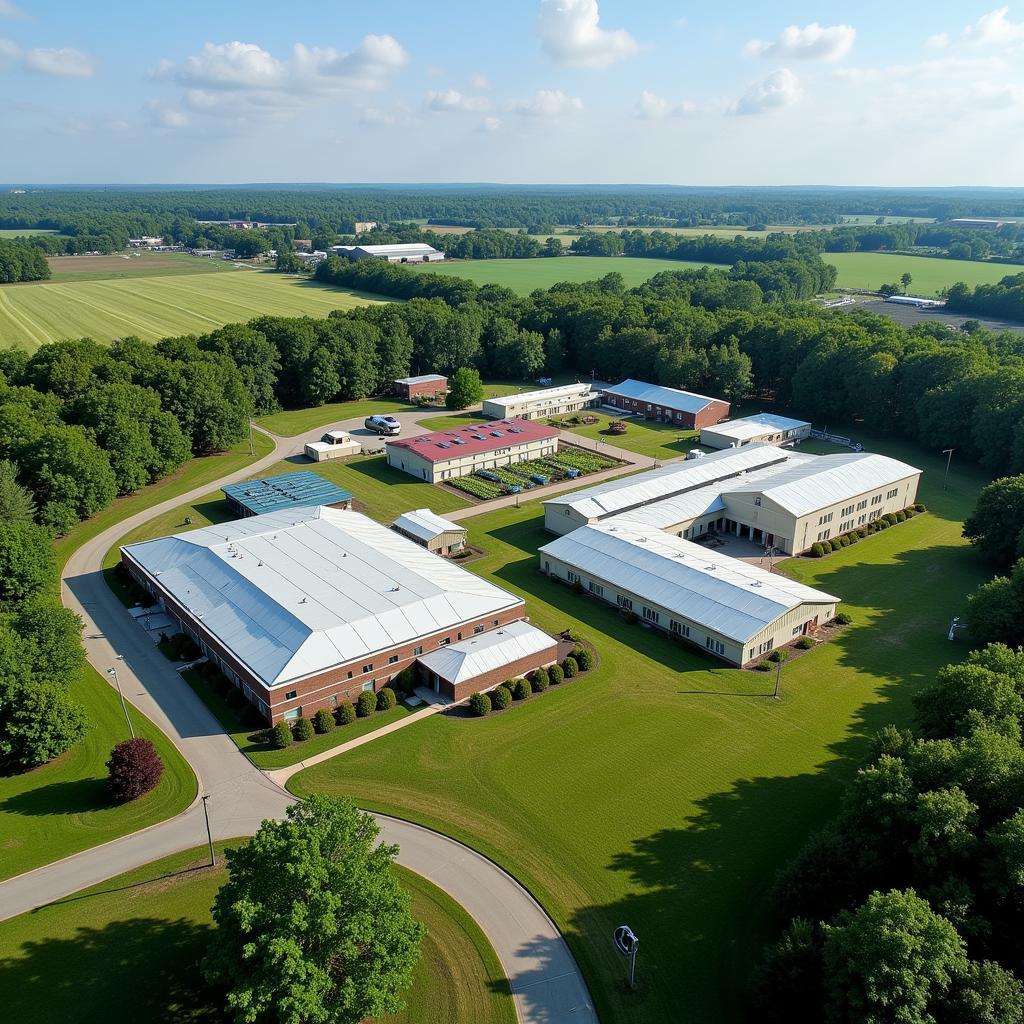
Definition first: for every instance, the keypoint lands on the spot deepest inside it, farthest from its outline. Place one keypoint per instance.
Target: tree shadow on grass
(75, 796)
(141, 969)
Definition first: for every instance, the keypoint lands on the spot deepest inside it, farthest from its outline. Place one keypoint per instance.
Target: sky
(520, 91)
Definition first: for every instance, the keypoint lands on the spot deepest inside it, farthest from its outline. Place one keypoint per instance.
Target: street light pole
(112, 671)
(778, 676)
(948, 452)
(209, 834)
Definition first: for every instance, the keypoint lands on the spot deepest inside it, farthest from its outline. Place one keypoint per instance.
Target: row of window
(827, 518)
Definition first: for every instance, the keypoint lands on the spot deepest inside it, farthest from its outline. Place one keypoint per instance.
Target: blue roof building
(289, 490)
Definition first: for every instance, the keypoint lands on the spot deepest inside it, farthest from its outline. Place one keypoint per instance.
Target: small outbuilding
(764, 428)
(436, 534)
(665, 405)
(532, 405)
(289, 490)
(426, 385)
(335, 444)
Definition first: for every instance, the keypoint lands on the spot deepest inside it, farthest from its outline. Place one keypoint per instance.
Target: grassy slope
(158, 307)
(663, 790)
(655, 440)
(129, 949)
(930, 274)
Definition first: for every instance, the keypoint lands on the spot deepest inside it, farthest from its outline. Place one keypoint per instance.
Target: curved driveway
(546, 982)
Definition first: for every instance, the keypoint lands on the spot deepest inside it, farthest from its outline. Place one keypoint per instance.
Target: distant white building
(531, 405)
(400, 252)
(915, 300)
(765, 427)
(335, 444)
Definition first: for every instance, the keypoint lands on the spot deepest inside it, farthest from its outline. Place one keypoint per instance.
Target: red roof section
(443, 445)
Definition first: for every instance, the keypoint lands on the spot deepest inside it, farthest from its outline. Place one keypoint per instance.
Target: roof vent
(303, 601)
(756, 583)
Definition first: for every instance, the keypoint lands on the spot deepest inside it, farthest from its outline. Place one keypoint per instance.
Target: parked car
(383, 425)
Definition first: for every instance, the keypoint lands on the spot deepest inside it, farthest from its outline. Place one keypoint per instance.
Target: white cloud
(995, 29)
(9, 10)
(547, 103)
(479, 81)
(570, 33)
(161, 115)
(374, 116)
(939, 41)
(812, 42)
(8, 49)
(64, 63)
(651, 107)
(490, 124)
(780, 89)
(453, 100)
(233, 65)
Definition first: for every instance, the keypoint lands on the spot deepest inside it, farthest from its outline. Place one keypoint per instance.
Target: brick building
(305, 608)
(428, 385)
(666, 405)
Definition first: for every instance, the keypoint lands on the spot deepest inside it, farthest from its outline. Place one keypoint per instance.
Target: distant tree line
(1005, 299)
(20, 261)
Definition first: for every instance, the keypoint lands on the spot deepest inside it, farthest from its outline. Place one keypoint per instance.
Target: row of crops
(524, 476)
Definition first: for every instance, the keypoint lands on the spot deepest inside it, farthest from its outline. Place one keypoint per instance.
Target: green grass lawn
(63, 807)
(158, 306)
(297, 421)
(645, 437)
(663, 789)
(26, 232)
(129, 949)
(930, 273)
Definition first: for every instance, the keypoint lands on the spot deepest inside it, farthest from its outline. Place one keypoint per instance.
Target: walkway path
(546, 982)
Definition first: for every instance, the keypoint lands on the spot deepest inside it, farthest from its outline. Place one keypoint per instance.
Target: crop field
(137, 263)
(157, 307)
(26, 232)
(930, 274)
(524, 276)
(663, 789)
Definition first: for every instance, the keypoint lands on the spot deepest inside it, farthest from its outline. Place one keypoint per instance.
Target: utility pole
(209, 834)
(112, 671)
(778, 676)
(252, 443)
(948, 452)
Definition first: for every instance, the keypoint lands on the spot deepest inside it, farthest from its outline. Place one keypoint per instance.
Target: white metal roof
(658, 394)
(656, 484)
(426, 525)
(755, 426)
(725, 595)
(295, 592)
(542, 395)
(486, 652)
(423, 378)
(807, 485)
(398, 249)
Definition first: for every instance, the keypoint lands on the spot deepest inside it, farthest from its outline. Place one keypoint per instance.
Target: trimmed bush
(890, 518)
(555, 674)
(570, 667)
(501, 697)
(134, 768)
(584, 659)
(762, 666)
(853, 537)
(521, 689)
(405, 681)
(919, 507)
(901, 517)
(844, 541)
(323, 721)
(303, 730)
(909, 512)
(882, 524)
(539, 679)
(346, 714)
(281, 736)
(834, 544)
(862, 532)
(386, 699)
(843, 618)
(817, 550)
(480, 704)
(805, 643)
(366, 704)
(779, 654)
(573, 635)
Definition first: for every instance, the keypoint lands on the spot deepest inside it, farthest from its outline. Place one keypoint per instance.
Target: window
(876, 499)
(766, 646)
(368, 685)
(571, 576)
(477, 629)
(827, 518)
(368, 668)
(714, 645)
(846, 511)
(679, 628)
(291, 695)
(294, 713)
(798, 629)
(417, 651)
(348, 675)
(625, 602)
(334, 701)
(446, 640)
(862, 504)
(892, 493)
(861, 520)
(393, 659)
(650, 614)
(595, 588)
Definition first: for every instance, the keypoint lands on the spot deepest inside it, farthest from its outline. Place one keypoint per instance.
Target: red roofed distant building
(446, 454)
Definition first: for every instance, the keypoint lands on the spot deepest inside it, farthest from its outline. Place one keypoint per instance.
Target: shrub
(843, 618)
(323, 721)
(834, 544)
(538, 679)
(631, 618)
(844, 541)
(570, 667)
(521, 689)
(882, 524)
(817, 550)
(346, 714)
(405, 681)
(901, 517)
(853, 537)
(555, 674)
(366, 704)
(303, 729)
(577, 587)
(480, 704)
(909, 512)
(386, 699)
(805, 643)
(763, 666)
(584, 659)
(573, 635)
(890, 518)
(501, 697)
(134, 768)
(919, 507)
(779, 654)
(281, 736)
(862, 532)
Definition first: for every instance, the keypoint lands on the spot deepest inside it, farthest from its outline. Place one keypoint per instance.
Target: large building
(306, 608)
(428, 385)
(400, 252)
(666, 405)
(532, 405)
(771, 496)
(289, 490)
(446, 454)
(764, 428)
(728, 607)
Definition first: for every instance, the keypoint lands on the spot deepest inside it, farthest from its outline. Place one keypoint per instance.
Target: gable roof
(445, 445)
(755, 426)
(426, 525)
(658, 394)
(488, 651)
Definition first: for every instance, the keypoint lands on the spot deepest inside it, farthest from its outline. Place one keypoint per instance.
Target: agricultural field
(930, 274)
(135, 263)
(153, 925)
(663, 789)
(154, 307)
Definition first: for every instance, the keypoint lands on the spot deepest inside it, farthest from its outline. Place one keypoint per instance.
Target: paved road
(546, 982)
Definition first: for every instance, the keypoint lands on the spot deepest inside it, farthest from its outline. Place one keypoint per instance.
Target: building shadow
(77, 796)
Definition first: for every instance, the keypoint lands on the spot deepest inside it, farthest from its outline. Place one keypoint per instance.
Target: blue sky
(524, 91)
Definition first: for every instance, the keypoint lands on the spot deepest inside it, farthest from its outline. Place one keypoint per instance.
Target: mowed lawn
(131, 948)
(157, 307)
(929, 274)
(662, 789)
(645, 437)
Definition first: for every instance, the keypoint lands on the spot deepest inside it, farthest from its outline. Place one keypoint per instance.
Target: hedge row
(821, 548)
(537, 681)
(301, 729)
